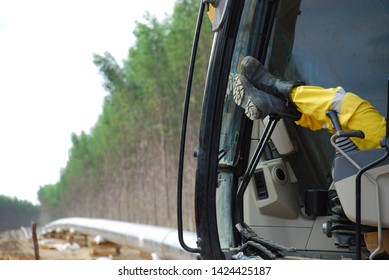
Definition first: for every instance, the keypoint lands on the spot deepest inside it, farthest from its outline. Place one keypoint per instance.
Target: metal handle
(183, 133)
(339, 131)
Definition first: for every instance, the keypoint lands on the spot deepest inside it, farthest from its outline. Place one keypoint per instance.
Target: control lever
(339, 132)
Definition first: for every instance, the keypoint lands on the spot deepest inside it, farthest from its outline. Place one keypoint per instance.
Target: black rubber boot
(256, 73)
(259, 104)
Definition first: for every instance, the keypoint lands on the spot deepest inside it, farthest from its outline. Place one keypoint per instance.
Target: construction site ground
(15, 246)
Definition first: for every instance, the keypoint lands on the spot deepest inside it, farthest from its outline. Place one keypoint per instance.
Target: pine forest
(125, 168)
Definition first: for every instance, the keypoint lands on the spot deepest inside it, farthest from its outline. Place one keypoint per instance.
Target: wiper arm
(222, 154)
(253, 164)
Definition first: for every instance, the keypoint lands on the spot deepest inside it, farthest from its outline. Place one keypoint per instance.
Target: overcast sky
(49, 86)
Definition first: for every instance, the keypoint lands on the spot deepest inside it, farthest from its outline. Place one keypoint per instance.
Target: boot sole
(238, 92)
(251, 110)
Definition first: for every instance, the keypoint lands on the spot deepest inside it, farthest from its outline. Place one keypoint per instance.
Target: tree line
(16, 213)
(125, 168)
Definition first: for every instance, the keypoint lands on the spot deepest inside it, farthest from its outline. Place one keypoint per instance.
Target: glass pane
(232, 119)
(232, 115)
(224, 211)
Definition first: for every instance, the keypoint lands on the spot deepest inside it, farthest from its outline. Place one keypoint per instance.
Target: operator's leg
(313, 102)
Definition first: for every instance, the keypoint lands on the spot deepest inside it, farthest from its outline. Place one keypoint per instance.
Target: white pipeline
(161, 241)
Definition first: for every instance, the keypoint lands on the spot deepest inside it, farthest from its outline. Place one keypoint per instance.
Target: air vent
(260, 185)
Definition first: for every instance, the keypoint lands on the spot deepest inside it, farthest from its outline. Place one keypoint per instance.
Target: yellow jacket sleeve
(354, 113)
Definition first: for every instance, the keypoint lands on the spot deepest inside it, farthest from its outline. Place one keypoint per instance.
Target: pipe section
(147, 238)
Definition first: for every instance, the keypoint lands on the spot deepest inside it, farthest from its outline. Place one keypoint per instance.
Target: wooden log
(35, 241)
